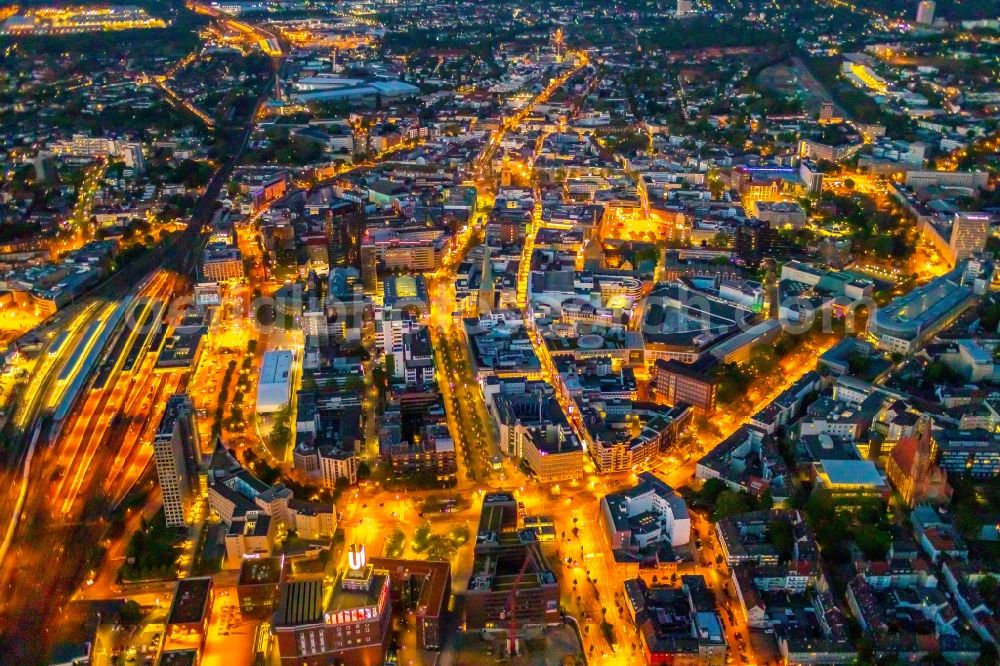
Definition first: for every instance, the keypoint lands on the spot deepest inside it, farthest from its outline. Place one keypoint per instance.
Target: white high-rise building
(176, 449)
(391, 324)
(969, 232)
(683, 7)
(925, 12)
(337, 464)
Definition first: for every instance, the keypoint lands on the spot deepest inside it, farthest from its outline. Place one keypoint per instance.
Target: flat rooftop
(852, 472)
(180, 349)
(436, 577)
(498, 570)
(499, 511)
(178, 658)
(344, 599)
(175, 405)
(261, 571)
(190, 603)
(301, 602)
(908, 315)
(276, 367)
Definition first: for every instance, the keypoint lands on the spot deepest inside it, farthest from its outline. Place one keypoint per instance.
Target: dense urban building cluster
(367, 333)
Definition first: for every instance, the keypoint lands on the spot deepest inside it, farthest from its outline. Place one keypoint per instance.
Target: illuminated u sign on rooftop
(356, 557)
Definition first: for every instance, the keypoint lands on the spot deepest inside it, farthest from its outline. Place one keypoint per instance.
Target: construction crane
(511, 609)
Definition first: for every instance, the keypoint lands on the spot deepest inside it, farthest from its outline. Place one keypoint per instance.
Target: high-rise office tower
(753, 241)
(969, 232)
(925, 12)
(826, 112)
(176, 450)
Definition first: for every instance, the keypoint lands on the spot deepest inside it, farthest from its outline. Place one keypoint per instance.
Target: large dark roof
(191, 601)
(301, 603)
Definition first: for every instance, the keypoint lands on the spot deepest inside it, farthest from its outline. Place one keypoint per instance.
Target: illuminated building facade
(910, 320)
(175, 447)
(72, 20)
(975, 453)
(753, 241)
(925, 12)
(344, 224)
(677, 382)
(396, 250)
(912, 471)
(650, 513)
(969, 232)
(221, 263)
(346, 624)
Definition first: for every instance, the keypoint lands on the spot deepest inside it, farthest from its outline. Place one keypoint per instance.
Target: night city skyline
(538, 332)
